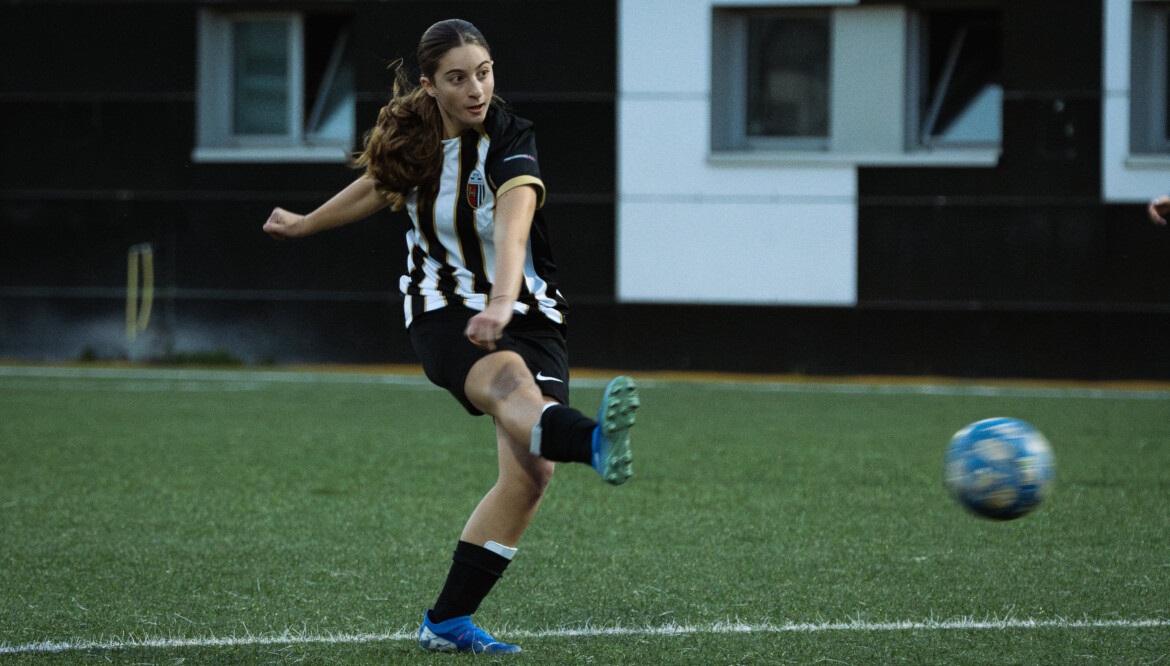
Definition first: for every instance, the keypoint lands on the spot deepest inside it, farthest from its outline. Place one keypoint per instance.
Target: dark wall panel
(244, 330)
(576, 144)
(64, 146)
(80, 245)
(1053, 45)
(940, 256)
(78, 49)
(845, 341)
(584, 244)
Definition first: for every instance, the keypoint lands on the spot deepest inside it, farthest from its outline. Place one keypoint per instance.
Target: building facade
(899, 187)
(917, 187)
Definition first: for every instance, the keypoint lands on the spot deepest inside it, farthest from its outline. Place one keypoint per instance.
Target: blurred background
(903, 188)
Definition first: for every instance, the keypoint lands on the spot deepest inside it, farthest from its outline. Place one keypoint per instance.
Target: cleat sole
(619, 413)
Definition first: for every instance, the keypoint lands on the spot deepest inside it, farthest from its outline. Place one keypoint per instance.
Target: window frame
(1149, 122)
(886, 136)
(216, 139)
(730, 82)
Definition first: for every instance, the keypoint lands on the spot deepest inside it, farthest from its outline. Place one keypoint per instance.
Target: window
(788, 77)
(775, 88)
(958, 97)
(275, 87)
(1150, 79)
(260, 86)
(877, 83)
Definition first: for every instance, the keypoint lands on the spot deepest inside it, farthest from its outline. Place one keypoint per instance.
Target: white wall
(1125, 178)
(694, 229)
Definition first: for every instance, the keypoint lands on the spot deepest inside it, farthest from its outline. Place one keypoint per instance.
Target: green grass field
(165, 517)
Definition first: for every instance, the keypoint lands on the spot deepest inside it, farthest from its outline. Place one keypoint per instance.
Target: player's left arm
(515, 209)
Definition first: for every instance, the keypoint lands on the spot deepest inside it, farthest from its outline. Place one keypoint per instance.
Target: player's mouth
(477, 109)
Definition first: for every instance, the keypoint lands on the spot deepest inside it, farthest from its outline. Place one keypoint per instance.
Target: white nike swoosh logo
(541, 378)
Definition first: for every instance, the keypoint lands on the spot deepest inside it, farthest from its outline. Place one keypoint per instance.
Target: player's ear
(428, 86)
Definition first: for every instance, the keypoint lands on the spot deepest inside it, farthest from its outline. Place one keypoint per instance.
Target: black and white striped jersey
(452, 253)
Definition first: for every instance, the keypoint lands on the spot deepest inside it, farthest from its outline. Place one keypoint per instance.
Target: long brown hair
(404, 150)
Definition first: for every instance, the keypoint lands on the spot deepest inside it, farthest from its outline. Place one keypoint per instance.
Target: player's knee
(531, 481)
(508, 378)
(541, 479)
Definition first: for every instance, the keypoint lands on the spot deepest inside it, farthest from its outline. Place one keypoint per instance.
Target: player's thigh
(500, 382)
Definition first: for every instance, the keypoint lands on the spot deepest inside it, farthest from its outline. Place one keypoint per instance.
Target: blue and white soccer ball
(999, 468)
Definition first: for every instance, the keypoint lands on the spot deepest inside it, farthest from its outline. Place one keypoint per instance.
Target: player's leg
(502, 385)
(507, 509)
(490, 537)
(497, 384)
(604, 443)
(485, 549)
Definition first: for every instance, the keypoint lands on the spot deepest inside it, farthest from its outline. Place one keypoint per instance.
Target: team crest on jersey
(476, 189)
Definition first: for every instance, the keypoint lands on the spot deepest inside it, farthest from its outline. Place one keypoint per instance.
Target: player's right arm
(357, 201)
(1159, 208)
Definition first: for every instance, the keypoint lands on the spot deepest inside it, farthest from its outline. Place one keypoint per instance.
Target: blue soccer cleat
(459, 635)
(611, 437)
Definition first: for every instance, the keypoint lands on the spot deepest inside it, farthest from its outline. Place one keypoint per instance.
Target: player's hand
(1159, 208)
(486, 327)
(282, 224)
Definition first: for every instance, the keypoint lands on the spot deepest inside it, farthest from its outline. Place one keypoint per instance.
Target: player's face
(462, 86)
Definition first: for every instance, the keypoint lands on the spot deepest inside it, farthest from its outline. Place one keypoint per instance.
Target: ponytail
(404, 150)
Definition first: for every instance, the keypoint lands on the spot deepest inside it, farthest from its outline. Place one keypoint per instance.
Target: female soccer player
(481, 304)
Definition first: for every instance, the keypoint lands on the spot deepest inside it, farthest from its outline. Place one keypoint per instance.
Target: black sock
(566, 435)
(474, 571)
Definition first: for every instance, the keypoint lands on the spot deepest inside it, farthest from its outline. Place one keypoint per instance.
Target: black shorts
(447, 355)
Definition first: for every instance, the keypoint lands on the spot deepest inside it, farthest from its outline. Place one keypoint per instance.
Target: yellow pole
(132, 295)
(138, 314)
(147, 287)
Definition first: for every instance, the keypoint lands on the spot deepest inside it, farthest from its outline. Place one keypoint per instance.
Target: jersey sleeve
(515, 163)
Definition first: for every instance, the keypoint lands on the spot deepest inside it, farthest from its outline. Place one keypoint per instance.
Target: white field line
(139, 379)
(294, 638)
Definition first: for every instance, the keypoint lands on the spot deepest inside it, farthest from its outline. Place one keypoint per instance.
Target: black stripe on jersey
(447, 284)
(417, 303)
(470, 244)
